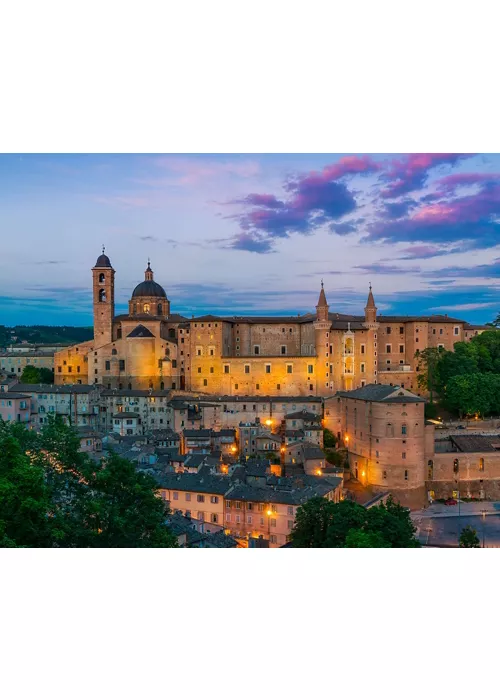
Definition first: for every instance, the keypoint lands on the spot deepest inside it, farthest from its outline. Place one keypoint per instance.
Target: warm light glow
(363, 473)
(346, 439)
(269, 512)
(282, 449)
(318, 472)
(233, 448)
(268, 421)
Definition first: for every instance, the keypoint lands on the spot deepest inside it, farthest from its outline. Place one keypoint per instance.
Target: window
(211, 370)
(401, 330)
(249, 519)
(226, 369)
(205, 382)
(146, 308)
(290, 510)
(289, 369)
(388, 348)
(188, 496)
(456, 330)
(430, 470)
(362, 367)
(121, 365)
(102, 277)
(102, 295)
(247, 369)
(362, 349)
(403, 455)
(481, 464)
(114, 351)
(440, 331)
(198, 352)
(211, 352)
(384, 474)
(200, 498)
(273, 539)
(268, 369)
(199, 370)
(310, 369)
(228, 517)
(238, 505)
(401, 348)
(214, 499)
(201, 515)
(256, 349)
(388, 330)
(107, 365)
(214, 518)
(228, 504)
(273, 522)
(278, 386)
(403, 429)
(176, 495)
(406, 474)
(283, 349)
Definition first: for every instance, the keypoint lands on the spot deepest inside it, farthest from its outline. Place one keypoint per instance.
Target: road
(440, 526)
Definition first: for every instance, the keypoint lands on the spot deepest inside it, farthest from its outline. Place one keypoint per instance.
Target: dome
(149, 288)
(103, 261)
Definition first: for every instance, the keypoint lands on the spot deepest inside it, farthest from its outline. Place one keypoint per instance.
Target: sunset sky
(252, 234)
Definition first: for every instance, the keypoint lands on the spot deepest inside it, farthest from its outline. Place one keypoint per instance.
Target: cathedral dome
(149, 288)
(103, 260)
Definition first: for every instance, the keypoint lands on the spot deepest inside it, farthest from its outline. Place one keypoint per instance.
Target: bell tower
(371, 324)
(370, 310)
(103, 278)
(324, 365)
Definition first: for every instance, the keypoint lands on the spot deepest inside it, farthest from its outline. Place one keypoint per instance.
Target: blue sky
(252, 233)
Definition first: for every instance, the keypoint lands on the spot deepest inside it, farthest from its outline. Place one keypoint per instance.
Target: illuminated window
(146, 308)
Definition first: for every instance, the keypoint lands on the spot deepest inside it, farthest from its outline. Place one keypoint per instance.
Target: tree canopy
(53, 495)
(37, 375)
(322, 523)
(468, 538)
(467, 379)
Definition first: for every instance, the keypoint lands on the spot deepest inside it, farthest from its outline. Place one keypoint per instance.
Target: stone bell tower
(371, 324)
(322, 327)
(103, 279)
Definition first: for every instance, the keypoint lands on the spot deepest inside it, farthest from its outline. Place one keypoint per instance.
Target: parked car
(451, 502)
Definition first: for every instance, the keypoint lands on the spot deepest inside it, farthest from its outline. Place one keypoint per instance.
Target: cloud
(346, 227)
(410, 172)
(418, 252)
(381, 269)
(148, 238)
(465, 307)
(50, 262)
(396, 210)
(313, 199)
(487, 271)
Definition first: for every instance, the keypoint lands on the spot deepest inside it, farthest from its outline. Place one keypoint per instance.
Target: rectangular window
(384, 474)
(283, 349)
(226, 369)
(256, 349)
(403, 455)
(406, 474)
(362, 367)
(273, 522)
(401, 330)
(200, 498)
(273, 539)
(362, 349)
(268, 369)
(176, 495)
(401, 348)
(289, 369)
(440, 331)
(278, 386)
(121, 365)
(205, 382)
(228, 504)
(214, 518)
(388, 330)
(188, 496)
(388, 348)
(290, 524)
(214, 499)
(199, 370)
(247, 369)
(310, 369)
(249, 519)
(290, 510)
(107, 365)
(211, 370)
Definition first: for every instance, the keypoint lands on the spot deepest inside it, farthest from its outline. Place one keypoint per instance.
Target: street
(440, 525)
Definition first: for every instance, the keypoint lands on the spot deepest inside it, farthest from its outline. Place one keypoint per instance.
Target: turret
(103, 277)
(324, 366)
(370, 310)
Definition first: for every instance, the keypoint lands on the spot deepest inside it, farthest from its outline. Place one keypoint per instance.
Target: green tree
(472, 394)
(322, 523)
(363, 540)
(428, 369)
(37, 375)
(329, 439)
(85, 504)
(24, 499)
(468, 538)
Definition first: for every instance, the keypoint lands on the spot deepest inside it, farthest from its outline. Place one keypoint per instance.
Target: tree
(468, 538)
(80, 503)
(473, 394)
(362, 539)
(329, 439)
(322, 523)
(37, 375)
(427, 362)
(24, 499)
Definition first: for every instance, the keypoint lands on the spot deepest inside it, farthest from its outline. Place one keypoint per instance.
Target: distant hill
(45, 334)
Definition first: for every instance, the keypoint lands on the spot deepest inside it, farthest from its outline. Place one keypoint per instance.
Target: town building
(313, 354)
(15, 407)
(14, 362)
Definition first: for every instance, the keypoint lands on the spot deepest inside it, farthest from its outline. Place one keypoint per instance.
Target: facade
(14, 362)
(306, 355)
(15, 407)
(77, 404)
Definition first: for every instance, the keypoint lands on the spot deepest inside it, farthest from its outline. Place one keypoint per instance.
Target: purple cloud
(314, 199)
(489, 271)
(396, 210)
(411, 172)
(381, 269)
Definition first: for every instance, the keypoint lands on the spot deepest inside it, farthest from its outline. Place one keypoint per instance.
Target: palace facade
(312, 354)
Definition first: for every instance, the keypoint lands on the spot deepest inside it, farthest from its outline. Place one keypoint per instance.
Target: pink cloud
(411, 172)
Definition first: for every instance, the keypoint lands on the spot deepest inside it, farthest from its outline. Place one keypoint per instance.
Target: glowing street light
(268, 421)
(269, 512)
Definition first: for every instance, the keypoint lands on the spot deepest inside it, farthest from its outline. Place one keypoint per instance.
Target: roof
(203, 433)
(103, 261)
(55, 389)
(288, 496)
(312, 452)
(140, 331)
(303, 415)
(197, 399)
(135, 392)
(381, 392)
(195, 483)
(149, 288)
(471, 327)
(14, 395)
(126, 414)
(476, 443)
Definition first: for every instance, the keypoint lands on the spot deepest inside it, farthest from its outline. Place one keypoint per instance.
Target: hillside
(45, 334)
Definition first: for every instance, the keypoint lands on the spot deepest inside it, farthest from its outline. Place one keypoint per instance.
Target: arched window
(102, 278)
(135, 308)
(160, 309)
(430, 470)
(114, 351)
(403, 429)
(146, 308)
(102, 295)
(389, 430)
(167, 352)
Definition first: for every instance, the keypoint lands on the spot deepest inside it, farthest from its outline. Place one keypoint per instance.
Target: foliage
(37, 375)
(431, 410)
(335, 458)
(468, 538)
(329, 439)
(474, 394)
(427, 362)
(322, 523)
(53, 495)
(45, 334)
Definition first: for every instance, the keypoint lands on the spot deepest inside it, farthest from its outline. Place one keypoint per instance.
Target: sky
(252, 234)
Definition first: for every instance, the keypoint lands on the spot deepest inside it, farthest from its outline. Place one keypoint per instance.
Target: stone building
(306, 355)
